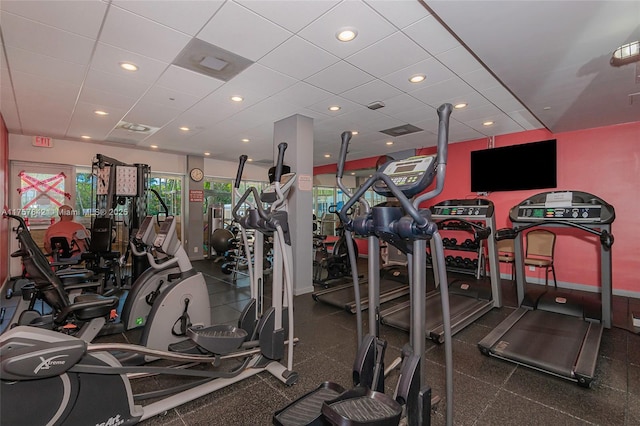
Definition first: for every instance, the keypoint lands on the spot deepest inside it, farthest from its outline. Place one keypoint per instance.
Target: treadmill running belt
(545, 340)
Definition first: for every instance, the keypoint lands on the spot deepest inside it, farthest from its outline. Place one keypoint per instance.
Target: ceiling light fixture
(207, 153)
(128, 66)
(249, 159)
(352, 173)
(100, 112)
(245, 140)
(85, 137)
(487, 123)
(354, 132)
(389, 142)
(460, 105)
(346, 34)
(237, 98)
(184, 129)
(334, 108)
(417, 78)
(327, 156)
(626, 54)
(153, 146)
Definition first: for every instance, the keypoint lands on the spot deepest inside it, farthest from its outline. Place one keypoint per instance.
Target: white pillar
(297, 132)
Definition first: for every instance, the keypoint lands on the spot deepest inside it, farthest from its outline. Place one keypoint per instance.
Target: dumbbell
(445, 242)
(459, 262)
(452, 242)
(449, 261)
(467, 243)
(468, 264)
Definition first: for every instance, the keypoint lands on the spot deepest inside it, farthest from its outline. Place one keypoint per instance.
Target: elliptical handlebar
(282, 147)
(344, 146)
(444, 113)
(243, 159)
(18, 218)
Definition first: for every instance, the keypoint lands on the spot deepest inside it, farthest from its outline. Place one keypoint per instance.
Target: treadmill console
(468, 208)
(163, 238)
(574, 206)
(411, 176)
(145, 228)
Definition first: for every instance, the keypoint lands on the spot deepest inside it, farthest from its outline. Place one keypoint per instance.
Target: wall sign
(196, 195)
(42, 142)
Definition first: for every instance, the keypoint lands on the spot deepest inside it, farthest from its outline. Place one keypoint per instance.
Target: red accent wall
(4, 200)
(603, 161)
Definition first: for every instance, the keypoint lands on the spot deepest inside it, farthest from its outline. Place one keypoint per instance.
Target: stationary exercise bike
(64, 376)
(407, 228)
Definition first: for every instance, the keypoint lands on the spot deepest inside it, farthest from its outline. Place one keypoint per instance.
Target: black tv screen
(513, 168)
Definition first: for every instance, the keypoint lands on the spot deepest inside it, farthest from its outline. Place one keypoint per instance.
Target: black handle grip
(18, 218)
(243, 159)
(444, 112)
(282, 147)
(506, 234)
(346, 137)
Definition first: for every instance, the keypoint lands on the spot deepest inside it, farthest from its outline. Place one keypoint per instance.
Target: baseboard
(305, 290)
(575, 286)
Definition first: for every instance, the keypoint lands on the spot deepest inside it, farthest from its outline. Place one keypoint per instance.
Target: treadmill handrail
(606, 238)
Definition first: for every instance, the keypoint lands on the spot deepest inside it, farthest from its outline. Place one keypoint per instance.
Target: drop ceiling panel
(85, 122)
(136, 34)
(431, 36)
(107, 99)
(169, 98)
(107, 59)
(372, 120)
(45, 66)
(78, 17)
(339, 78)
(45, 40)
(298, 58)
(243, 32)
(404, 103)
(502, 98)
(480, 79)
(399, 13)
(375, 90)
(148, 113)
(34, 88)
(459, 60)
(459, 132)
(388, 55)
(186, 16)
(434, 71)
(41, 117)
(370, 26)
(259, 81)
(439, 93)
(187, 81)
(303, 94)
(118, 84)
(483, 112)
(290, 14)
(345, 106)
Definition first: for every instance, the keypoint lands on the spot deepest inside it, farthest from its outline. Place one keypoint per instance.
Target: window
(218, 191)
(170, 189)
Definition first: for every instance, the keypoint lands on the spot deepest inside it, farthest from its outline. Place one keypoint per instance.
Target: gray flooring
(487, 391)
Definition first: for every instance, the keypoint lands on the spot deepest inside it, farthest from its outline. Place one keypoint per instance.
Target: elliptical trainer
(407, 228)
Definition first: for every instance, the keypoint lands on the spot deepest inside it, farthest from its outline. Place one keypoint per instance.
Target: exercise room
(319, 212)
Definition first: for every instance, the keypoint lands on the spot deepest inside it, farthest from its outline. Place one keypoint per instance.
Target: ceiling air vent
(401, 130)
(213, 61)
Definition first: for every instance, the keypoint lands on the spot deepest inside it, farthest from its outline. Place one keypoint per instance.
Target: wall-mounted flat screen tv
(516, 167)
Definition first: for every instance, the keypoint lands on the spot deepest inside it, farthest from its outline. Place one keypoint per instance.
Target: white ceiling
(534, 64)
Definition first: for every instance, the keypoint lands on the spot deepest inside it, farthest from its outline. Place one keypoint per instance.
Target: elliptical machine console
(411, 176)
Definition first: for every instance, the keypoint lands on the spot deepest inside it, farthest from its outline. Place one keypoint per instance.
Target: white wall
(82, 153)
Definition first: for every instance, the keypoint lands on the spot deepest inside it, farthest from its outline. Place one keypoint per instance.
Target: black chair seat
(95, 310)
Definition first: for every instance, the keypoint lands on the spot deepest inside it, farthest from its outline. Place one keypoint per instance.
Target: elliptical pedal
(306, 410)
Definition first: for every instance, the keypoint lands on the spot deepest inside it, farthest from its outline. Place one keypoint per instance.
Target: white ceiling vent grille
(401, 130)
(213, 61)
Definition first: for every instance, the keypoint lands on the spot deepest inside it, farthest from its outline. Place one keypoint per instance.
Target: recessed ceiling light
(354, 132)
(546, 108)
(100, 112)
(327, 156)
(153, 146)
(249, 159)
(417, 78)
(346, 34)
(207, 153)
(487, 123)
(353, 173)
(334, 108)
(237, 98)
(460, 105)
(128, 66)
(184, 129)
(389, 142)
(245, 140)
(85, 137)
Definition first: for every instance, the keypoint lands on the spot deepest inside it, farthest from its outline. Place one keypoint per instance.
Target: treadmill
(554, 331)
(468, 300)
(394, 283)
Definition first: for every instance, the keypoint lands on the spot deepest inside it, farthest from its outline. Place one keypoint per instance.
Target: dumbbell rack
(457, 263)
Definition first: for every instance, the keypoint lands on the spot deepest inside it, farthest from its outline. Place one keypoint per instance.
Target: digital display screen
(403, 169)
(446, 211)
(538, 213)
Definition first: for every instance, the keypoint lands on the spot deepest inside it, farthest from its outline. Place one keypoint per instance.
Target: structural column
(297, 132)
